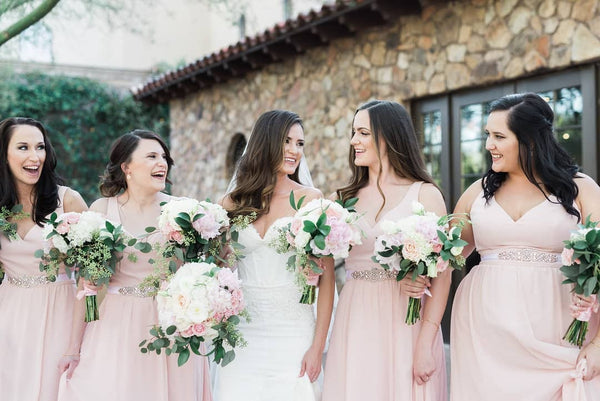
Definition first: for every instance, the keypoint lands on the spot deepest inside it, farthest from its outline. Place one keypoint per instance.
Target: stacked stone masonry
(449, 47)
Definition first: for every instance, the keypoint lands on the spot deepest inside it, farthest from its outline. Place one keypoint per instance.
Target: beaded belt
(145, 292)
(34, 281)
(371, 275)
(523, 255)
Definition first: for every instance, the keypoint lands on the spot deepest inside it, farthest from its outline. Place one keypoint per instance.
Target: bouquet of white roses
(89, 245)
(420, 244)
(322, 228)
(194, 230)
(200, 303)
(581, 267)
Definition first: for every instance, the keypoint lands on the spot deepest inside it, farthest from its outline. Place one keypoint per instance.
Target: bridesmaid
(511, 311)
(373, 354)
(36, 314)
(111, 366)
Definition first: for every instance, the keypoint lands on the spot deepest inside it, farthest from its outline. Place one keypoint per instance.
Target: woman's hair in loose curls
(390, 121)
(541, 158)
(113, 180)
(256, 173)
(45, 194)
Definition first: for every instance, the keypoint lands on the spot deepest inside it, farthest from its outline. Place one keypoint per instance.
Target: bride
(282, 359)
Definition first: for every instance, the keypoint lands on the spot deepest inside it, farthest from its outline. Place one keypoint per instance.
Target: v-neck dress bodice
(511, 311)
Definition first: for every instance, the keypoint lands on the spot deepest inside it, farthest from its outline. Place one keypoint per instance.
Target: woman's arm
(70, 359)
(311, 363)
(433, 310)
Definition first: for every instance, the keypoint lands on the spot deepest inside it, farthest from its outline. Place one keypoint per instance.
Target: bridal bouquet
(201, 303)
(581, 267)
(322, 228)
(421, 245)
(194, 230)
(89, 246)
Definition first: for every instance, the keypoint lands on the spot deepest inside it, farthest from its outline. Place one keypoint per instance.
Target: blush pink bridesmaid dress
(35, 320)
(112, 366)
(371, 348)
(511, 311)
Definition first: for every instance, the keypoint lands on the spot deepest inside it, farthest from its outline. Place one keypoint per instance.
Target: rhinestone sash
(34, 281)
(371, 275)
(523, 255)
(133, 291)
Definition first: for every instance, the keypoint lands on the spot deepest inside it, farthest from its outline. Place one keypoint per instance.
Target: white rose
(418, 208)
(456, 250)
(301, 239)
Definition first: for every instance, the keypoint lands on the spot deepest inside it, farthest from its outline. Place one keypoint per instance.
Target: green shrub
(82, 116)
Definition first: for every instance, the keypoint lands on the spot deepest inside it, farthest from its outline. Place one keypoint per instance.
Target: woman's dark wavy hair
(256, 173)
(45, 193)
(540, 156)
(113, 180)
(390, 121)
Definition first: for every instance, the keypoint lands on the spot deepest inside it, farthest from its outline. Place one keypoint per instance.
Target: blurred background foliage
(83, 118)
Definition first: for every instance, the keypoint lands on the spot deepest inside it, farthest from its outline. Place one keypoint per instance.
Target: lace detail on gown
(279, 333)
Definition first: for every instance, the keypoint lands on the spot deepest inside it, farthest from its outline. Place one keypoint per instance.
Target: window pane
(567, 104)
(432, 139)
(474, 158)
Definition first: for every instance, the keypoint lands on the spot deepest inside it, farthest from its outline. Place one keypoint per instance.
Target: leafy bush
(83, 118)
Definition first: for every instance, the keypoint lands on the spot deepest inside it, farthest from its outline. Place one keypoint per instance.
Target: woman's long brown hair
(256, 173)
(390, 121)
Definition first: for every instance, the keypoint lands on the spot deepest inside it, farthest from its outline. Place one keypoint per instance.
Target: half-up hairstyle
(113, 180)
(390, 121)
(256, 173)
(541, 158)
(45, 193)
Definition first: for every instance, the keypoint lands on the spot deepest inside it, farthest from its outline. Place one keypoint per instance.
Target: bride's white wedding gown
(280, 331)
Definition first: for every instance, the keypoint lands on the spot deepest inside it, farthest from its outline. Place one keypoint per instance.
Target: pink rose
(63, 228)
(437, 247)
(198, 329)
(206, 226)
(71, 218)
(187, 332)
(296, 226)
(441, 264)
(567, 256)
(175, 236)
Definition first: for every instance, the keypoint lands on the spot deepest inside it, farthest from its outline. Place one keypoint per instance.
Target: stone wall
(450, 46)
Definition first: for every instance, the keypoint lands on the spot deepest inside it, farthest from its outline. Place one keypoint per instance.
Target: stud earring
(129, 176)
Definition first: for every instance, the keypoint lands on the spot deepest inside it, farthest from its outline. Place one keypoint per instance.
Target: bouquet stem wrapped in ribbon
(581, 267)
(420, 245)
(88, 245)
(322, 228)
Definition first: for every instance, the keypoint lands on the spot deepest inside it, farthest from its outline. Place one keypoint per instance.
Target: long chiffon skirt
(35, 324)
(113, 368)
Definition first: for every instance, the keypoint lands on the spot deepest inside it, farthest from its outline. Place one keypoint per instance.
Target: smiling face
(293, 149)
(26, 154)
(363, 141)
(148, 166)
(502, 143)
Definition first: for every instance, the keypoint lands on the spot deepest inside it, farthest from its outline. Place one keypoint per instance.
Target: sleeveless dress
(280, 331)
(112, 366)
(511, 311)
(35, 320)
(371, 349)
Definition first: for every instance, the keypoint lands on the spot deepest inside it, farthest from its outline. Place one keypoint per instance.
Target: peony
(567, 256)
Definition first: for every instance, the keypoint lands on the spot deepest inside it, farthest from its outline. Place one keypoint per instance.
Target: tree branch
(37, 14)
